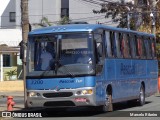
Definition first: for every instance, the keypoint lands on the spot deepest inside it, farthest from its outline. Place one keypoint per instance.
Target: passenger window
(126, 46)
(132, 46)
(146, 44)
(150, 48)
(113, 44)
(153, 48)
(118, 51)
(121, 44)
(108, 44)
(99, 48)
(138, 47)
(129, 47)
(143, 49)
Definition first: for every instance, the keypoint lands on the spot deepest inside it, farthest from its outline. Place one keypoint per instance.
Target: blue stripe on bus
(61, 83)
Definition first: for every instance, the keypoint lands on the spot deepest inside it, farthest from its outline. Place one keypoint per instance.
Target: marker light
(33, 94)
(84, 92)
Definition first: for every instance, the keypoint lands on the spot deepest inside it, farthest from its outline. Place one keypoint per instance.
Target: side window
(132, 46)
(118, 50)
(121, 45)
(143, 49)
(99, 48)
(126, 46)
(153, 48)
(108, 44)
(146, 44)
(129, 46)
(136, 47)
(113, 44)
(150, 48)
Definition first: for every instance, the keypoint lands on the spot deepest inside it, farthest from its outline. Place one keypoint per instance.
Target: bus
(89, 65)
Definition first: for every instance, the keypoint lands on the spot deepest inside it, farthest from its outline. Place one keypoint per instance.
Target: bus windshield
(60, 54)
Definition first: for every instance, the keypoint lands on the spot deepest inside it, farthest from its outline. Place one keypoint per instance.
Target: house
(8, 62)
(9, 58)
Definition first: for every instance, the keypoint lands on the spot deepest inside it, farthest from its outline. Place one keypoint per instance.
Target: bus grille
(58, 103)
(58, 94)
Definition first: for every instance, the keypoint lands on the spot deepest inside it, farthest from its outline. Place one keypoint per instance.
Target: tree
(139, 13)
(118, 11)
(45, 22)
(64, 20)
(25, 30)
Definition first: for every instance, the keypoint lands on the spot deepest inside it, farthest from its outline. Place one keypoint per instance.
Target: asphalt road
(122, 111)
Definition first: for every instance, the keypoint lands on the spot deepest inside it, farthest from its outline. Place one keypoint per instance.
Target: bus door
(99, 56)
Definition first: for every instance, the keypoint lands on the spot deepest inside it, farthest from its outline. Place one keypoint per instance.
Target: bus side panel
(117, 74)
(125, 77)
(152, 70)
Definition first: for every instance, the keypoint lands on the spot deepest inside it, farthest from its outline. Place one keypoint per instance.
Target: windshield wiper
(58, 64)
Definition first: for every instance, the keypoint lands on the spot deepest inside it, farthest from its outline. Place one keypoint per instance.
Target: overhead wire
(97, 2)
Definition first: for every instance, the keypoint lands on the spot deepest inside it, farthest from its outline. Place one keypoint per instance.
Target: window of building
(6, 60)
(64, 8)
(64, 12)
(12, 17)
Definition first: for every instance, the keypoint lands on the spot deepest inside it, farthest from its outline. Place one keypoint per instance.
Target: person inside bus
(85, 59)
(46, 59)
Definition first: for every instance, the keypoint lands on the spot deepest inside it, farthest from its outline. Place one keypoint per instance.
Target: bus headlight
(33, 94)
(84, 92)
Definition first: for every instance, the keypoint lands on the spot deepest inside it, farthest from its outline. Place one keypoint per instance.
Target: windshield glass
(60, 54)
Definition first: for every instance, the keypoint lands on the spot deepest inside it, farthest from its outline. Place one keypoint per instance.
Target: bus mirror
(22, 49)
(99, 68)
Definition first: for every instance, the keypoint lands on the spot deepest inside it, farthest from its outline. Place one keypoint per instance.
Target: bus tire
(141, 96)
(108, 106)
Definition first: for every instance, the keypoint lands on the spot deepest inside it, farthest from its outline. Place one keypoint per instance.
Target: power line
(51, 14)
(77, 19)
(117, 3)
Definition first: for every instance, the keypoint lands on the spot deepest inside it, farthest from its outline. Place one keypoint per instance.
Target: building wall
(41, 8)
(10, 37)
(83, 11)
(6, 6)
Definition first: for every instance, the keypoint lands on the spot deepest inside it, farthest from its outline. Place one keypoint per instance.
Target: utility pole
(128, 21)
(153, 16)
(25, 30)
(153, 29)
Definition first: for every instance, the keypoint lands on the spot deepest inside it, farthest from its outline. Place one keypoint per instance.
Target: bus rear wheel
(141, 100)
(108, 106)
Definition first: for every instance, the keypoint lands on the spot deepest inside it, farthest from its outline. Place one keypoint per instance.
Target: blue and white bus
(89, 65)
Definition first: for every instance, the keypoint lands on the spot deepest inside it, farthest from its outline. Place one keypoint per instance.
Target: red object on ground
(10, 103)
(159, 84)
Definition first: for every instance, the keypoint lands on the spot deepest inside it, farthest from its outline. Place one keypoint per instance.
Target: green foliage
(117, 11)
(45, 22)
(64, 20)
(11, 73)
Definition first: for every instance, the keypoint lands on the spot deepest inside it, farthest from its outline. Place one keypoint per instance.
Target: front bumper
(61, 98)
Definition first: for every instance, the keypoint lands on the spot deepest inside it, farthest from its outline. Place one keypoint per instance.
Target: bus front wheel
(108, 106)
